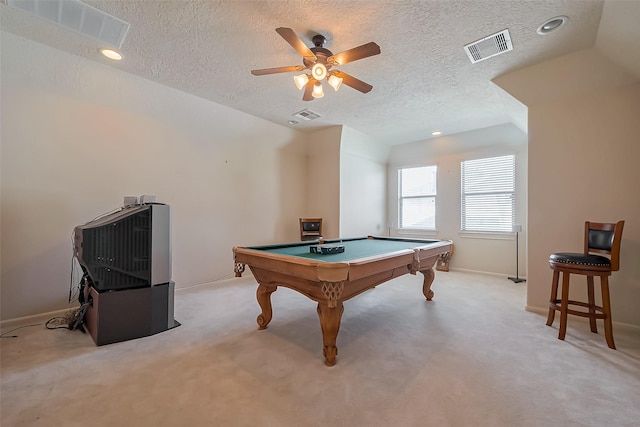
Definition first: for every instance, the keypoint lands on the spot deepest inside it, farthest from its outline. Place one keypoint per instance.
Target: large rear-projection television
(126, 289)
(127, 249)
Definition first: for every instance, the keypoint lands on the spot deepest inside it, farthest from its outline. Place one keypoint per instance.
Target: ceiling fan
(320, 62)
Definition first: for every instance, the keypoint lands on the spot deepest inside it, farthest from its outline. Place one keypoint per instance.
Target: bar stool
(599, 238)
(310, 228)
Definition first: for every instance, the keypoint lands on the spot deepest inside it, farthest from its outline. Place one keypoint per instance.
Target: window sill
(488, 235)
(408, 232)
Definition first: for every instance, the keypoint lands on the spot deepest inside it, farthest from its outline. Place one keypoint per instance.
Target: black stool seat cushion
(581, 259)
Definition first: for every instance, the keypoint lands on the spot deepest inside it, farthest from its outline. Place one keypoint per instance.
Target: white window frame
(425, 195)
(488, 194)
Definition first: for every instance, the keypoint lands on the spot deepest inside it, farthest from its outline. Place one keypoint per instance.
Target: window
(488, 194)
(417, 198)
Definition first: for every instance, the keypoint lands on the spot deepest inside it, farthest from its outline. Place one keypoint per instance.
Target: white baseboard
(537, 310)
(34, 319)
(486, 273)
(43, 317)
(545, 312)
(246, 277)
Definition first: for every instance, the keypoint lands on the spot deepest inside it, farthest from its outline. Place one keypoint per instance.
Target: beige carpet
(471, 357)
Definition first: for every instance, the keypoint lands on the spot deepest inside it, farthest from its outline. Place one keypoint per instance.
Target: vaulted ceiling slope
(422, 81)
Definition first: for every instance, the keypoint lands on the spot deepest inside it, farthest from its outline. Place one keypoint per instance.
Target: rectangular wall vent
(78, 17)
(306, 115)
(493, 45)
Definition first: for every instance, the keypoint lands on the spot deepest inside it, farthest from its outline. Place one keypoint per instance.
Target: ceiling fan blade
(307, 91)
(290, 36)
(354, 54)
(357, 84)
(276, 70)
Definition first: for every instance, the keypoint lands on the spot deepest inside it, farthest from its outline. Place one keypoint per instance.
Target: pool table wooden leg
(429, 275)
(264, 299)
(330, 324)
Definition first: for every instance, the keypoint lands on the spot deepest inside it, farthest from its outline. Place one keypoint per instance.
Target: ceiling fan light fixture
(317, 64)
(301, 80)
(335, 82)
(319, 71)
(317, 90)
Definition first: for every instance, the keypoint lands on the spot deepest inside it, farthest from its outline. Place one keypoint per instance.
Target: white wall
(77, 136)
(493, 253)
(322, 198)
(345, 182)
(363, 174)
(584, 147)
(619, 34)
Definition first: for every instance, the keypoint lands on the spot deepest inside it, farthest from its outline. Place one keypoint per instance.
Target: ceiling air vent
(489, 46)
(306, 115)
(77, 16)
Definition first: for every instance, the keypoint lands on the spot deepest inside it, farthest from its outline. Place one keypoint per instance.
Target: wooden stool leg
(592, 305)
(564, 305)
(554, 297)
(606, 308)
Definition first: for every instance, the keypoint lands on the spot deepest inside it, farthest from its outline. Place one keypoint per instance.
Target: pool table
(334, 278)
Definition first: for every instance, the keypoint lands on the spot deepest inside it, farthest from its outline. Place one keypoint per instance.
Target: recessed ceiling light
(551, 25)
(293, 122)
(436, 133)
(111, 54)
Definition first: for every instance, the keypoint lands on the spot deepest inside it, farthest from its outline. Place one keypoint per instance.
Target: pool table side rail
(286, 264)
(419, 257)
(350, 239)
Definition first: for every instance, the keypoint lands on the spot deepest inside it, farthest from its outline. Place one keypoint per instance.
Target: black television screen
(127, 249)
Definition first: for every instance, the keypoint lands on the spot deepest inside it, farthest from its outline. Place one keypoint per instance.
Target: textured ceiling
(422, 81)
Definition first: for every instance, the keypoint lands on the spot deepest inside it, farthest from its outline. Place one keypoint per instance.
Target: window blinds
(488, 194)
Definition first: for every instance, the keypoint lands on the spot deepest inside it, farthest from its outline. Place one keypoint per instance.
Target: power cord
(73, 320)
(2, 335)
(77, 317)
(60, 320)
(75, 284)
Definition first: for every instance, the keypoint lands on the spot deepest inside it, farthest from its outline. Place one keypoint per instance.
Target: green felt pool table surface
(353, 248)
